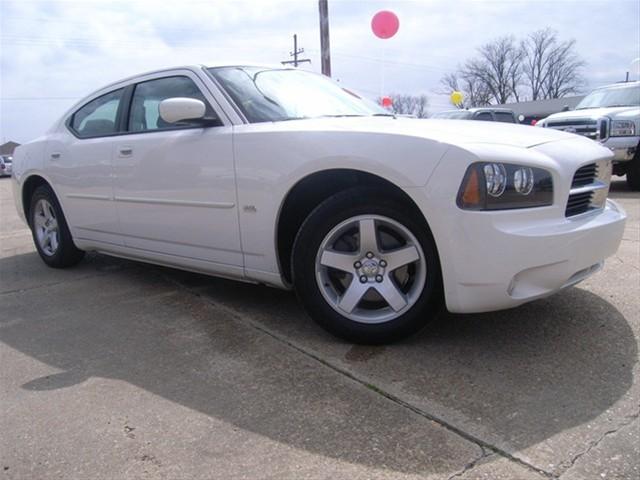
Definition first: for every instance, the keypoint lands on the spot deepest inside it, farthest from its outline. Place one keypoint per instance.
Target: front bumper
(623, 148)
(517, 261)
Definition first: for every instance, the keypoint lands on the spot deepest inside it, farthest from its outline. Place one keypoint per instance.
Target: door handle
(125, 151)
(55, 156)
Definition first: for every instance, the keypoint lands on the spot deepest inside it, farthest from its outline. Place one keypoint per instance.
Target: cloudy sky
(54, 52)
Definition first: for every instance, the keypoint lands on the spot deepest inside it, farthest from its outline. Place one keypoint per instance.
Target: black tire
(633, 172)
(66, 254)
(339, 208)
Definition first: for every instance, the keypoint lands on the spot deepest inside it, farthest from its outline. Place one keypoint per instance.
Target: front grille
(587, 127)
(589, 188)
(578, 203)
(585, 175)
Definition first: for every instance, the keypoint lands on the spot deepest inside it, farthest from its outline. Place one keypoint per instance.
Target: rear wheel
(50, 231)
(366, 269)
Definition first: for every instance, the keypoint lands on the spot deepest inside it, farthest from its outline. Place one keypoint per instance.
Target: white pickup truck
(611, 116)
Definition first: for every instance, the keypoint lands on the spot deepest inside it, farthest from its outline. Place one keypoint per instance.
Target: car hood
(453, 132)
(613, 112)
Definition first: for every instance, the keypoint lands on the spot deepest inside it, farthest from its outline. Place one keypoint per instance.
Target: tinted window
(99, 116)
(505, 117)
(485, 116)
(144, 113)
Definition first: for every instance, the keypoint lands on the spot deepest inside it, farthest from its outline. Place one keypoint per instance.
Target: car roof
(480, 109)
(491, 109)
(619, 85)
(195, 67)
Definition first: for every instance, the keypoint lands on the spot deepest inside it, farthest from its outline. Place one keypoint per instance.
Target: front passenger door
(175, 184)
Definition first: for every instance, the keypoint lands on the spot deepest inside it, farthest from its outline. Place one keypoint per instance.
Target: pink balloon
(387, 101)
(385, 24)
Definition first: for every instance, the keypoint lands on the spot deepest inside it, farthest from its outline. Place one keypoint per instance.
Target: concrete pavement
(117, 369)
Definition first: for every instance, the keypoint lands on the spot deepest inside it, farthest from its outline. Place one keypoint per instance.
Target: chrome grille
(589, 128)
(589, 188)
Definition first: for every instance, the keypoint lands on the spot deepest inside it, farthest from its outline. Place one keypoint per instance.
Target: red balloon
(533, 122)
(385, 24)
(387, 102)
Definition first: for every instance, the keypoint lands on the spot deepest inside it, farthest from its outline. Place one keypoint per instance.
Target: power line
(38, 98)
(390, 62)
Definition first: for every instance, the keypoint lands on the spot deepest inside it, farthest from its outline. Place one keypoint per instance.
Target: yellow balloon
(456, 97)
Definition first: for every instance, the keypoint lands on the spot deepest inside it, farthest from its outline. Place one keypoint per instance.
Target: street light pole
(325, 53)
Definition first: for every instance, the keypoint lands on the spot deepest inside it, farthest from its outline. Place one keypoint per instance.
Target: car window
(626, 96)
(484, 116)
(505, 117)
(144, 113)
(99, 116)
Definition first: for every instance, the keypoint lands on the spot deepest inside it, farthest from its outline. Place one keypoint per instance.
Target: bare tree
(498, 67)
(474, 92)
(551, 67)
(539, 67)
(404, 104)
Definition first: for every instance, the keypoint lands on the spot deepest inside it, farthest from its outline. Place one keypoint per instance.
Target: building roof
(8, 148)
(543, 108)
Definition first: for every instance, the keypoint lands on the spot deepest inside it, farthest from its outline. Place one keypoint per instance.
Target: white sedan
(282, 177)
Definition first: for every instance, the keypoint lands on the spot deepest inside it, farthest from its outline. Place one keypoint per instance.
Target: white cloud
(58, 51)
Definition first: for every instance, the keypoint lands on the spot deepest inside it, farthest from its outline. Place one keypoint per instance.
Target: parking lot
(121, 370)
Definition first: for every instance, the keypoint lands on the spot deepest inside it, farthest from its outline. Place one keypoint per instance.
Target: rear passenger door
(174, 184)
(78, 161)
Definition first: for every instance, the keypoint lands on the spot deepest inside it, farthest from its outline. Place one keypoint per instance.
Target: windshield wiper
(384, 115)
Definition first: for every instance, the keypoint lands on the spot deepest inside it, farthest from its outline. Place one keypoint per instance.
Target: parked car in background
(611, 116)
(484, 114)
(6, 165)
(279, 176)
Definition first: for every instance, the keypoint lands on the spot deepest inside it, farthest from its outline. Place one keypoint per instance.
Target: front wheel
(366, 267)
(633, 172)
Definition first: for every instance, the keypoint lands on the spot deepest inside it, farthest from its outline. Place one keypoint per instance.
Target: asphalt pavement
(120, 370)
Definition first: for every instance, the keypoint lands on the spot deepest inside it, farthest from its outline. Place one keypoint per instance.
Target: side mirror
(565, 108)
(176, 109)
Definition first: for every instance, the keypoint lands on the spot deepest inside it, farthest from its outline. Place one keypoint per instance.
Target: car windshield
(611, 97)
(453, 114)
(269, 95)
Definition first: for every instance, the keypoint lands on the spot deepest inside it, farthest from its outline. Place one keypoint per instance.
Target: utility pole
(295, 54)
(324, 37)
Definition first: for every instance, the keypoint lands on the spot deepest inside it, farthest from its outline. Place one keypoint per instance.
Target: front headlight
(502, 186)
(623, 128)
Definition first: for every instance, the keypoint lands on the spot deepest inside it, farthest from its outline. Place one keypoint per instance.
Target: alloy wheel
(370, 269)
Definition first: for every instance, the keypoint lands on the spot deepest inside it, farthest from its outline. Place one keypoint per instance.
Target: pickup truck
(609, 115)
(483, 114)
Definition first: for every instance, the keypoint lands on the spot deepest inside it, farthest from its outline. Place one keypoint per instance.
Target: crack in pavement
(617, 257)
(471, 465)
(595, 443)
(487, 448)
